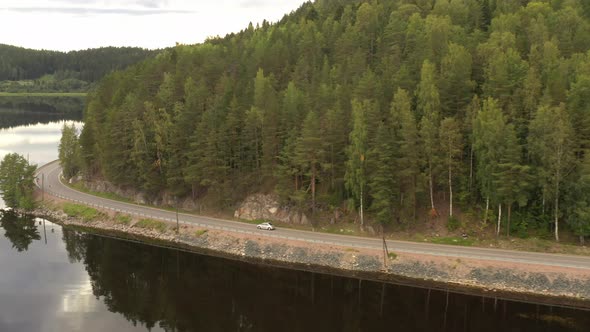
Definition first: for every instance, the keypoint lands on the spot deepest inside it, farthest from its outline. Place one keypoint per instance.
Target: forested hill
(393, 107)
(42, 66)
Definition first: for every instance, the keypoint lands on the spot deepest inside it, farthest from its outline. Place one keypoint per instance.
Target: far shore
(43, 94)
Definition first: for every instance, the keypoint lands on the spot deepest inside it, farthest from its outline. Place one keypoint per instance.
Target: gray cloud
(124, 3)
(96, 11)
(152, 3)
(255, 3)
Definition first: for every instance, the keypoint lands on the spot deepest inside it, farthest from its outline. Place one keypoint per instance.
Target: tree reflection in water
(20, 230)
(180, 291)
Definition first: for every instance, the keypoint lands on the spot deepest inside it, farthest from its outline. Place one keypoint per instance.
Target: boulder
(267, 207)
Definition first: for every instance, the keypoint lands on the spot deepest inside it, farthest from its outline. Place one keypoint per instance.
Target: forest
(27, 70)
(397, 111)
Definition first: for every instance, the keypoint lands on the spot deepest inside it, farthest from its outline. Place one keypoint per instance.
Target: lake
(60, 279)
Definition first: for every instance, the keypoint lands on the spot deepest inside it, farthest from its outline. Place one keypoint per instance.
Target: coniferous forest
(27, 70)
(398, 110)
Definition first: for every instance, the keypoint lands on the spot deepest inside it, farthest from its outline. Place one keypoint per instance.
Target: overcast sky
(66, 25)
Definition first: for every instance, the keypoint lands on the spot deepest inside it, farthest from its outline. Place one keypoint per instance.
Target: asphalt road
(49, 174)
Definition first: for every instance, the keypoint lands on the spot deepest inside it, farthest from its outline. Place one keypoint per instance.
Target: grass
(457, 241)
(80, 211)
(201, 232)
(80, 187)
(392, 255)
(43, 94)
(122, 219)
(152, 224)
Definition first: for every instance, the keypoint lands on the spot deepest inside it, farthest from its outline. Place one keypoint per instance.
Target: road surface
(48, 179)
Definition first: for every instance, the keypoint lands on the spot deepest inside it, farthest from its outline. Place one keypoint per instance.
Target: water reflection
(38, 142)
(186, 292)
(11, 118)
(20, 231)
(73, 281)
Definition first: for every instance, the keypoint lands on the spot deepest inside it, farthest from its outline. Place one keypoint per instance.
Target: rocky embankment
(543, 284)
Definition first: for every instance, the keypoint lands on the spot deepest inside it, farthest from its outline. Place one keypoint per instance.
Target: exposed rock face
(138, 197)
(267, 207)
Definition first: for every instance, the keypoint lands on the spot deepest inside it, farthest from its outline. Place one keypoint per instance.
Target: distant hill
(23, 69)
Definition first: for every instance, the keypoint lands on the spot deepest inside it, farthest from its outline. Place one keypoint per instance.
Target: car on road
(265, 225)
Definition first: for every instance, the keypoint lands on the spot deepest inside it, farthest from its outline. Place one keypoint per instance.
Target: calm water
(55, 279)
(37, 140)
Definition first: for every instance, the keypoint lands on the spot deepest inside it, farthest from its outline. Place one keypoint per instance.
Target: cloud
(124, 3)
(97, 11)
(255, 3)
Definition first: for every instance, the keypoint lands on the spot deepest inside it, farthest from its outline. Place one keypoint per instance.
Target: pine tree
(408, 158)
(429, 107)
(381, 180)
(356, 177)
(309, 152)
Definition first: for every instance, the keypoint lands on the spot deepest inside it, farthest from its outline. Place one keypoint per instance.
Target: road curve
(48, 179)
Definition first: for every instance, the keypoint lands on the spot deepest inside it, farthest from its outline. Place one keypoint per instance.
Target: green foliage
(43, 70)
(17, 185)
(453, 224)
(372, 104)
(69, 151)
(456, 241)
(151, 224)
(201, 232)
(87, 214)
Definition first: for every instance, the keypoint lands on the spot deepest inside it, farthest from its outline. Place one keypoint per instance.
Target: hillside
(393, 109)
(27, 70)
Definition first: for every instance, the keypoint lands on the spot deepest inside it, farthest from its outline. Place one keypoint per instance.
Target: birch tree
(551, 144)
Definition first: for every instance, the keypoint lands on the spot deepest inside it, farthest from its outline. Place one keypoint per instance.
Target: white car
(265, 225)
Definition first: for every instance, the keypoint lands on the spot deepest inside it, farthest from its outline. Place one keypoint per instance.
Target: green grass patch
(392, 255)
(81, 211)
(457, 241)
(201, 232)
(152, 224)
(80, 187)
(122, 219)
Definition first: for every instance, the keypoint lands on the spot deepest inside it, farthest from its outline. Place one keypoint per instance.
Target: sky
(66, 25)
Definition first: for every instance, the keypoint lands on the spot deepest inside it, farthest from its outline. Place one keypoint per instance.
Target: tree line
(384, 107)
(44, 70)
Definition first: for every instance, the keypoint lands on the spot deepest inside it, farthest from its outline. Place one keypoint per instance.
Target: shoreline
(512, 281)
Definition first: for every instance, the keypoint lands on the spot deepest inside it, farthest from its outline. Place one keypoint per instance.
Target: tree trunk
(313, 171)
(431, 184)
(471, 168)
(485, 216)
(582, 240)
(557, 213)
(450, 187)
(499, 218)
(362, 220)
(508, 222)
(557, 180)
